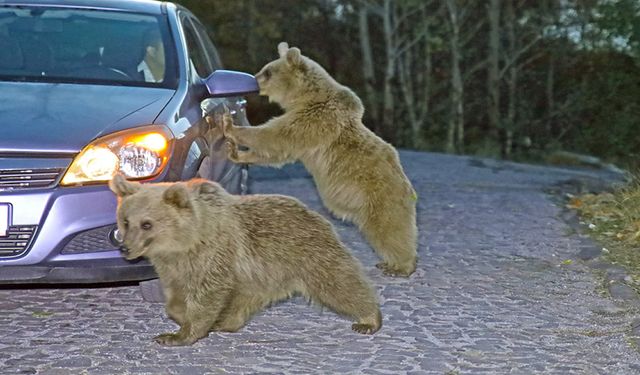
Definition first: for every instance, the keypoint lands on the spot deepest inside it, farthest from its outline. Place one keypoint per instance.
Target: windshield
(85, 46)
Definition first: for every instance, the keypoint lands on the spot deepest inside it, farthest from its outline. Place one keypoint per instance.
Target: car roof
(138, 6)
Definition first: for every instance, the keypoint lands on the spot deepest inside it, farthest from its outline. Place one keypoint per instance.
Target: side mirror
(230, 83)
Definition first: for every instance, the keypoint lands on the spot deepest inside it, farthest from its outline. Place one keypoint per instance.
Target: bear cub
(358, 175)
(221, 258)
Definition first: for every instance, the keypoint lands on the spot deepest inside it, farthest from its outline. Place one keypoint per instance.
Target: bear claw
(227, 124)
(171, 339)
(232, 150)
(366, 329)
(393, 271)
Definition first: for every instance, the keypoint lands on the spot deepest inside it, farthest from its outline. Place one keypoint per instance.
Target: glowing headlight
(137, 153)
(138, 162)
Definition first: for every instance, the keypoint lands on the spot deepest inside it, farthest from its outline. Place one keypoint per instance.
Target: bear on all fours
(221, 258)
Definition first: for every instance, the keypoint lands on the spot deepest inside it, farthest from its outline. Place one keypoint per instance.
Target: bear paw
(395, 270)
(227, 124)
(365, 329)
(172, 339)
(232, 150)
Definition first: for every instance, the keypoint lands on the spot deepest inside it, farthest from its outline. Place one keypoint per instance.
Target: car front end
(73, 112)
(56, 213)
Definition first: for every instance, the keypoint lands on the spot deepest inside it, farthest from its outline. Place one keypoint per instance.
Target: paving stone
(73, 362)
(28, 370)
(59, 371)
(615, 273)
(589, 252)
(623, 291)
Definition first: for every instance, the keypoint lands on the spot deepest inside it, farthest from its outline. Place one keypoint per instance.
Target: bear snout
(117, 239)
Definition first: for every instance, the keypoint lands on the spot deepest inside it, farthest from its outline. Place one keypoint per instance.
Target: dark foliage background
(513, 79)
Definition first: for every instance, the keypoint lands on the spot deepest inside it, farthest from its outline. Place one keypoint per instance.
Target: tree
(458, 75)
(367, 64)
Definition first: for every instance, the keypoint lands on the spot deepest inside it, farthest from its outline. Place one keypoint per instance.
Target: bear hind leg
(351, 296)
(394, 239)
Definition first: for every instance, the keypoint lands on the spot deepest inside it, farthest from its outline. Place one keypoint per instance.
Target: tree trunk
(406, 87)
(367, 68)
(428, 70)
(411, 79)
(252, 44)
(455, 131)
(389, 74)
(512, 82)
(550, 98)
(493, 74)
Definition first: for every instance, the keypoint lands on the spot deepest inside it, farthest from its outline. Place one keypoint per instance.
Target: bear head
(292, 77)
(154, 219)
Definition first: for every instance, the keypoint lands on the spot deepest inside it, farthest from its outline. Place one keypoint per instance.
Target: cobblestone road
(494, 293)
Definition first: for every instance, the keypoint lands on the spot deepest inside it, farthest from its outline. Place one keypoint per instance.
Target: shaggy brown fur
(358, 175)
(221, 258)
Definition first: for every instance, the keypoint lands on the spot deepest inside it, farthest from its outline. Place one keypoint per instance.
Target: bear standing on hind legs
(358, 175)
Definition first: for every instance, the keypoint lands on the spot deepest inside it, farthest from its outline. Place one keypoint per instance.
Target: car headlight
(136, 153)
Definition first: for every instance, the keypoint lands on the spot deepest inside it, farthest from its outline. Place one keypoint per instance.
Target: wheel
(151, 291)
(237, 181)
(244, 180)
(240, 182)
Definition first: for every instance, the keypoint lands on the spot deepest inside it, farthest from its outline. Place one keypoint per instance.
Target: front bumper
(60, 214)
(77, 273)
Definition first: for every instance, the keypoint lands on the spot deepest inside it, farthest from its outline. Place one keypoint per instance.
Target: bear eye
(125, 222)
(145, 225)
(267, 73)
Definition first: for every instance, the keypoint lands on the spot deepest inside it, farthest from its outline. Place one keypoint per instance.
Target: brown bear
(358, 175)
(221, 258)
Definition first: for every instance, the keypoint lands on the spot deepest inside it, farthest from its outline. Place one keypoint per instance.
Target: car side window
(195, 51)
(212, 52)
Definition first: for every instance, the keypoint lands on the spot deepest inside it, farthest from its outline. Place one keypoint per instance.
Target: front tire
(238, 182)
(151, 291)
(244, 180)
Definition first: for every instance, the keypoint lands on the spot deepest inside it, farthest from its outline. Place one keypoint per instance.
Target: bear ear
(208, 187)
(283, 47)
(177, 195)
(121, 187)
(294, 57)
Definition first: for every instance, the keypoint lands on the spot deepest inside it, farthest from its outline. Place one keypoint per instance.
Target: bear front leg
(176, 306)
(195, 327)
(263, 139)
(188, 333)
(239, 156)
(200, 317)
(184, 336)
(250, 157)
(266, 144)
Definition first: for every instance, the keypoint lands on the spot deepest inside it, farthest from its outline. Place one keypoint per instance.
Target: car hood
(63, 118)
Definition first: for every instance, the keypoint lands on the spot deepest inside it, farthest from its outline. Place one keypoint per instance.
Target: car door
(204, 59)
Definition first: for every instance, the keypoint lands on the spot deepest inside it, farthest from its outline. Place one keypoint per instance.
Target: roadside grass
(613, 220)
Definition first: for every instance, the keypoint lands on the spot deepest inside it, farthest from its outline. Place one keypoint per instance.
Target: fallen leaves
(614, 215)
(41, 314)
(614, 220)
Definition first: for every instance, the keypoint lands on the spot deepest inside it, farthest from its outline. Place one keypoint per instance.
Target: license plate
(5, 218)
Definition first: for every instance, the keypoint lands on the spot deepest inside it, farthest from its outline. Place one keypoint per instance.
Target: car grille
(28, 178)
(91, 241)
(17, 241)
